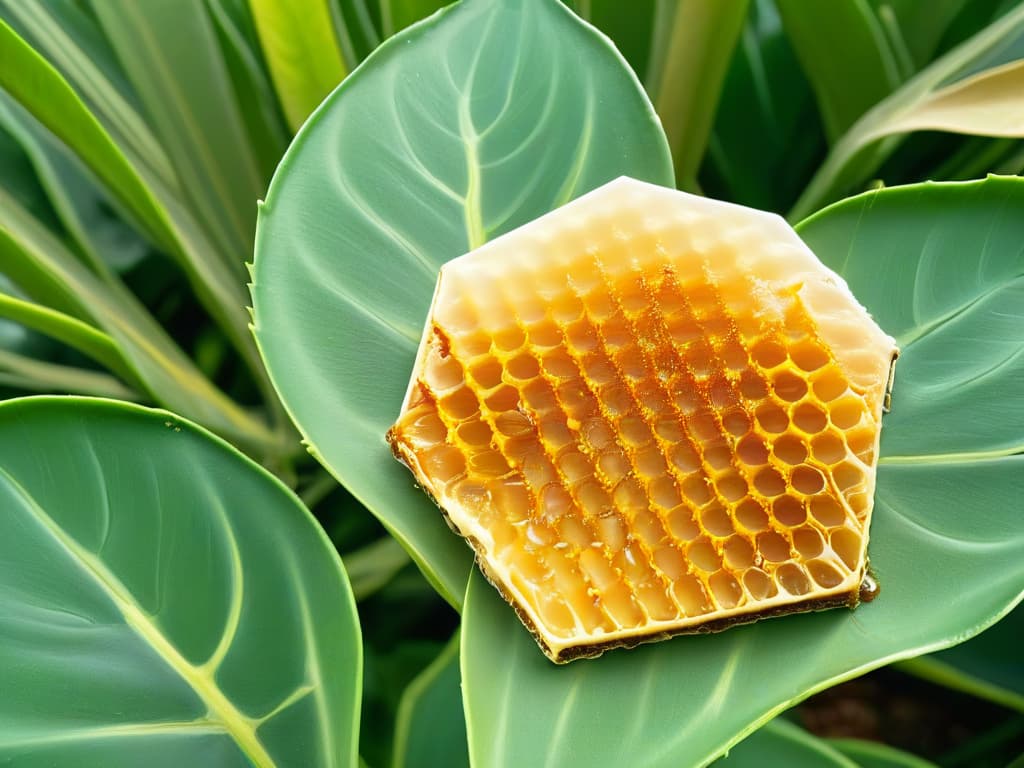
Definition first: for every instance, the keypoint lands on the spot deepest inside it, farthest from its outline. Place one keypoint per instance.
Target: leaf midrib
(241, 728)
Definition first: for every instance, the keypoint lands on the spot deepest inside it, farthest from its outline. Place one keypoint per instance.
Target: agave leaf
(631, 26)
(151, 199)
(84, 208)
(987, 104)
(73, 43)
(767, 135)
(940, 266)
(170, 52)
(41, 90)
(693, 44)
(43, 268)
(951, 94)
(22, 372)
(264, 123)
(302, 53)
(459, 128)
(845, 54)
(69, 330)
(174, 568)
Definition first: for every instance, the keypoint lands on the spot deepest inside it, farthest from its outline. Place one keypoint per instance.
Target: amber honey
(649, 414)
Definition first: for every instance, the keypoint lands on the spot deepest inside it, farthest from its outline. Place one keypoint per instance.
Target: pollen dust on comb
(650, 414)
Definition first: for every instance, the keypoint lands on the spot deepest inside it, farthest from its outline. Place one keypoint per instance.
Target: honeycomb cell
(789, 510)
(646, 412)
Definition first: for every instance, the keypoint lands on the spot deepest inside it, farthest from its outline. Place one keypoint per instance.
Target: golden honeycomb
(650, 413)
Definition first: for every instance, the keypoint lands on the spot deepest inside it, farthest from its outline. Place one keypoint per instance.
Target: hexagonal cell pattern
(650, 413)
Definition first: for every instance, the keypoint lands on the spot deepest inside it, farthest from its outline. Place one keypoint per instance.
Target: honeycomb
(650, 413)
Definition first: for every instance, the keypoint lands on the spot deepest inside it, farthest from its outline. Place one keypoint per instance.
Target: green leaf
(629, 25)
(767, 140)
(430, 729)
(844, 51)
(987, 666)
(371, 567)
(146, 193)
(44, 270)
(170, 52)
(69, 330)
(190, 611)
(456, 130)
(22, 372)
(922, 25)
(71, 41)
(871, 754)
(693, 44)
(84, 208)
(264, 122)
(780, 743)
(41, 90)
(952, 94)
(357, 24)
(941, 262)
(302, 53)
(396, 15)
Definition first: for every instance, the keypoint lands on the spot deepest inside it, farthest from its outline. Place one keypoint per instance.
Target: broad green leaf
(938, 266)
(951, 94)
(21, 372)
(167, 603)
(988, 666)
(169, 51)
(69, 330)
(430, 729)
(845, 54)
(456, 130)
(767, 139)
(871, 754)
(780, 743)
(693, 44)
(302, 53)
(39, 264)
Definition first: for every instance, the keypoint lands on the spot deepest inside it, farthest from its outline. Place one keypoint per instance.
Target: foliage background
(136, 137)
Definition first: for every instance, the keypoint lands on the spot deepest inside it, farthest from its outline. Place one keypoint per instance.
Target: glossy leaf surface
(940, 267)
(469, 124)
(164, 601)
